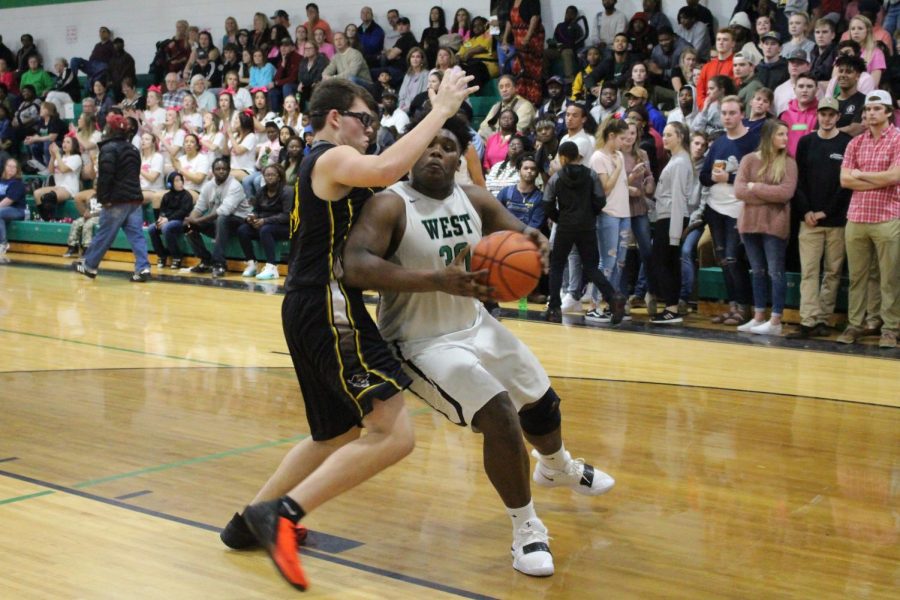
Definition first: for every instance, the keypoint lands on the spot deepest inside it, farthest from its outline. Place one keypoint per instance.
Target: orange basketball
(513, 263)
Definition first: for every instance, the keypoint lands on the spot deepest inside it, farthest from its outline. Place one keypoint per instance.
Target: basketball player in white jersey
(463, 362)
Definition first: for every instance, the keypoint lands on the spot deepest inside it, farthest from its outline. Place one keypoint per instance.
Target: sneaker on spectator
(270, 271)
(749, 325)
(666, 317)
(850, 335)
(635, 302)
(888, 338)
(161, 262)
(71, 251)
(767, 328)
(617, 309)
(4, 248)
(570, 304)
(552, 315)
(83, 269)
(176, 264)
(200, 267)
(650, 299)
(250, 271)
(820, 330)
(801, 333)
(141, 276)
(598, 316)
(218, 271)
(683, 307)
(531, 550)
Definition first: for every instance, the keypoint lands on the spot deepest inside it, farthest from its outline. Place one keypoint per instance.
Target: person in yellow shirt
(477, 56)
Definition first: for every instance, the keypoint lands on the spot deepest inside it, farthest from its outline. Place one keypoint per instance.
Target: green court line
(165, 467)
(105, 347)
(25, 497)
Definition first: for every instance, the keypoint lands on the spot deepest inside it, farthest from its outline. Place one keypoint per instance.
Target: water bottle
(523, 307)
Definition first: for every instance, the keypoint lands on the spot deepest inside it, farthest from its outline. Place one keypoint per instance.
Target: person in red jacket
(802, 112)
(285, 81)
(721, 65)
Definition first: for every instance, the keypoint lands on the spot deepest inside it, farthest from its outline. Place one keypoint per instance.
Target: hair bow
(262, 89)
(71, 134)
(175, 108)
(248, 112)
(155, 88)
(228, 91)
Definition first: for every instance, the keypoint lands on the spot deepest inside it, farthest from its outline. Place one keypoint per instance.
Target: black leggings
(666, 263)
(586, 243)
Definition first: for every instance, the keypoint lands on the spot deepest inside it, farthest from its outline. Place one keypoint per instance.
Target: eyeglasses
(364, 118)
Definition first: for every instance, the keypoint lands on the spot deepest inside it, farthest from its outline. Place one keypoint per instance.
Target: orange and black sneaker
(278, 535)
(238, 536)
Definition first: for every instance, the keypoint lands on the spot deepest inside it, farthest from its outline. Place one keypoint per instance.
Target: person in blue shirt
(524, 199)
(12, 200)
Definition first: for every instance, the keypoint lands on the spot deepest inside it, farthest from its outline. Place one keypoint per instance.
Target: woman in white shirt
(155, 114)
(240, 95)
(212, 141)
(290, 116)
(226, 111)
(261, 113)
(171, 138)
(191, 119)
(193, 165)
(65, 166)
(242, 147)
(614, 223)
(152, 184)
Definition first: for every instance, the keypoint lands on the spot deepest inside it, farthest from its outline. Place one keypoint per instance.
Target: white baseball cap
(878, 97)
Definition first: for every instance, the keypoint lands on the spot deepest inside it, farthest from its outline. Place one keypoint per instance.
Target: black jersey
(319, 228)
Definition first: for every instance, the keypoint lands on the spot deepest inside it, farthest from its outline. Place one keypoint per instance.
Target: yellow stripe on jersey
(359, 355)
(337, 349)
(295, 210)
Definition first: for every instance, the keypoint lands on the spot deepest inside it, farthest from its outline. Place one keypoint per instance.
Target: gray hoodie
(676, 183)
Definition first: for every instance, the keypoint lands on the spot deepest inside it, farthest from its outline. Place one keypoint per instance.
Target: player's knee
(543, 416)
(497, 418)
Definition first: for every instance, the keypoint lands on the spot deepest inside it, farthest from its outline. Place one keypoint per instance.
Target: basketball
(513, 263)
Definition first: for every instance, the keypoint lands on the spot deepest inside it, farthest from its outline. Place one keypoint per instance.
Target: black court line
(640, 327)
(9, 459)
(133, 495)
(433, 585)
(721, 389)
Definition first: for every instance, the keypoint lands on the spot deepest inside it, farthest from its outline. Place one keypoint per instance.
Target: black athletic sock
(289, 509)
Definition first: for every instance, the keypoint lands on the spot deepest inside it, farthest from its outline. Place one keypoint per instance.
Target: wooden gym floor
(137, 418)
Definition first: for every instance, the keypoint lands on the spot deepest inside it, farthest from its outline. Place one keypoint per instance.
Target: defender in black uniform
(347, 375)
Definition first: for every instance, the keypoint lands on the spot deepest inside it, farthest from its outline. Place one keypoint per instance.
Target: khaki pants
(871, 246)
(819, 246)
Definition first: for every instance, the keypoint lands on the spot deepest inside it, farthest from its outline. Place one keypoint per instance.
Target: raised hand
(452, 93)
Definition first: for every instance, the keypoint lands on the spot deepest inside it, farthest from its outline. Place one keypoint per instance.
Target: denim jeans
(766, 254)
(267, 235)
(640, 229)
(40, 151)
(729, 253)
(613, 237)
(688, 252)
(92, 68)
(171, 232)
(252, 183)
(9, 213)
(584, 242)
(130, 218)
(221, 230)
(892, 18)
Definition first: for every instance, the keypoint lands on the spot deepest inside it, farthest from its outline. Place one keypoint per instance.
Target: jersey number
(448, 253)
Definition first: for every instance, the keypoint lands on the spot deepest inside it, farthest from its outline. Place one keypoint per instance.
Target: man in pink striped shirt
(871, 168)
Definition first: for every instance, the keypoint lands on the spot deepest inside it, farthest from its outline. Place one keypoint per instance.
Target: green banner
(27, 3)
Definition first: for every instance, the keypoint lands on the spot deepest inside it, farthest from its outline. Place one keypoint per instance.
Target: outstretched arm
(372, 240)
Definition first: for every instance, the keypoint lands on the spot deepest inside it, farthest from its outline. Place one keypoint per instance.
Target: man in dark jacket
(572, 199)
(121, 66)
(176, 204)
(119, 192)
(95, 66)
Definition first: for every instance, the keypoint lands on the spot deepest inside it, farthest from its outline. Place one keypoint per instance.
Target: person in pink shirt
(801, 114)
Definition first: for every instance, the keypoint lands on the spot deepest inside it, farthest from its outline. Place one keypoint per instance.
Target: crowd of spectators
(782, 121)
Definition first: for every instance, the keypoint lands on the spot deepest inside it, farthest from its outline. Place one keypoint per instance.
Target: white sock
(557, 460)
(520, 516)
